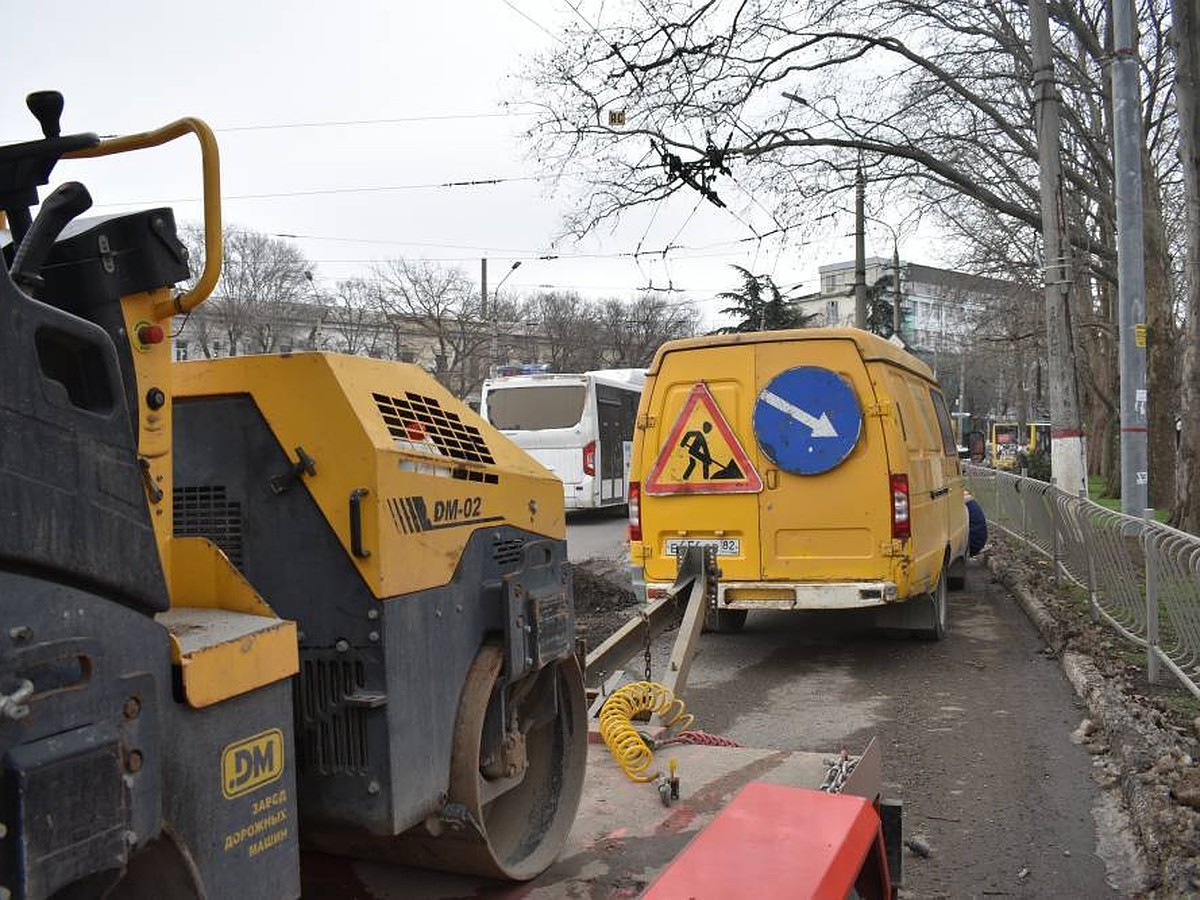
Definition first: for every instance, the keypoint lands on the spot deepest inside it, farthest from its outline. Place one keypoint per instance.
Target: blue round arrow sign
(807, 420)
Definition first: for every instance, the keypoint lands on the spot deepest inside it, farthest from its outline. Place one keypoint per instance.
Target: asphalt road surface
(975, 731)
(598, 535)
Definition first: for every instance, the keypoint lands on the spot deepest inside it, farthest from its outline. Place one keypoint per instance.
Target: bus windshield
(535, 408)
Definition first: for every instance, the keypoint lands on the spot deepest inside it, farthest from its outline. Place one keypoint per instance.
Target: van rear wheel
(939, 602)
(957, 579)
(724, 621)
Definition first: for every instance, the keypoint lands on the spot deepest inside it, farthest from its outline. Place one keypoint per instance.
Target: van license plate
(725, 546)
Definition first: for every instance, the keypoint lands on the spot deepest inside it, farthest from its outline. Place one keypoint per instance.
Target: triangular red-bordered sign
(701, 455)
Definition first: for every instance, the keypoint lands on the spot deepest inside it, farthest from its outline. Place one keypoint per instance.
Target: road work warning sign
(701, 454)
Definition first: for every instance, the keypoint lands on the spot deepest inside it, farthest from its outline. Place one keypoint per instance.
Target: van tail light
(635, 511)
(901, 523)
(589, 458)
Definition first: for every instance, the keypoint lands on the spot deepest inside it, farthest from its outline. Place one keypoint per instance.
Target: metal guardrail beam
(1142, 577)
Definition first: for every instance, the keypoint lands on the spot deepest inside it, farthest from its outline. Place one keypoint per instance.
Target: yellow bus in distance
(1009, 440)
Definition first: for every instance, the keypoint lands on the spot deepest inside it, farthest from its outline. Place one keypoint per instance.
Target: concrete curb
(1134, 755)
(1045, 623)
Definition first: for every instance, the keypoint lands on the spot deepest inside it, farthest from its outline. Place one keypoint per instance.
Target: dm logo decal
(251, 763)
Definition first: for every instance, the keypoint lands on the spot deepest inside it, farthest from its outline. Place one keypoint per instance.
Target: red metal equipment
(774, 841)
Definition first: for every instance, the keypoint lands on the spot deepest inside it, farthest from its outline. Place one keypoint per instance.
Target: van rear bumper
(797, 595)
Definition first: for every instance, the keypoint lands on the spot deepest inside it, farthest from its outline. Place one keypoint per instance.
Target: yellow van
(820, 463)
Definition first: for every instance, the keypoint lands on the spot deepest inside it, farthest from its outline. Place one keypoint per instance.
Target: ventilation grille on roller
(332, 735)
(205, 511)
(419, 425)
(507, 552)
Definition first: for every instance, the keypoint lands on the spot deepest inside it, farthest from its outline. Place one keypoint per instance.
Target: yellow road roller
(253, 604)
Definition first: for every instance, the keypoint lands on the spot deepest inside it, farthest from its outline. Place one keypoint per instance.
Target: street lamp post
(496, 292)
(860, 252)
(493, 349)
(897, 319)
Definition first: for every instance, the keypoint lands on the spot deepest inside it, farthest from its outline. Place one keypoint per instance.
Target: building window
(181, 349)
(831, 312)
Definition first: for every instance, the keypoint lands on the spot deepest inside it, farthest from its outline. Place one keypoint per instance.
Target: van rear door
(671, 516)
(833, 523)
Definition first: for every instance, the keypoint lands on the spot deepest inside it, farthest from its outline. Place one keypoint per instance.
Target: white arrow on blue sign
(807, 420)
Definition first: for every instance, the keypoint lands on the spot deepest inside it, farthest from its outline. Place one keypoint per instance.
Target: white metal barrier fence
(1142, 577)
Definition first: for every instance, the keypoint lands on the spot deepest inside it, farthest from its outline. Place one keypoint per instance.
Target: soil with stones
(604, 599)
(1144, 736)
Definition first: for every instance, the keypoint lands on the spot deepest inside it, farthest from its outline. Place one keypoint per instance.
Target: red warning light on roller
(150, 334)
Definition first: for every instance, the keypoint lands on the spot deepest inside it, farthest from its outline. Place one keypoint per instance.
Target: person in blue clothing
(977, 533)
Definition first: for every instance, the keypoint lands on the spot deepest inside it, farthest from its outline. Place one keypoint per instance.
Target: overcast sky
(396, 97)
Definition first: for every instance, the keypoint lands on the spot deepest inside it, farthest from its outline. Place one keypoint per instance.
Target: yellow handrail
(211, 165)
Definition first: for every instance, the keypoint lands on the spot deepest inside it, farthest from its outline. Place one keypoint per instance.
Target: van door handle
(772, 479)
(940, 492)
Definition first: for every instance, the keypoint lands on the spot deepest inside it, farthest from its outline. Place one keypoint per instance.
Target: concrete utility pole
(1068, 449)
(1131, 263)
(962, 390)
(860, 249)
(897, 319)
(483, 288)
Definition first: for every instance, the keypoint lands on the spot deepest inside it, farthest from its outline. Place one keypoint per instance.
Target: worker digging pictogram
(701, 454)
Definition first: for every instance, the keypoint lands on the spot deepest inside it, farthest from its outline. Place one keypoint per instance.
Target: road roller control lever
(25, 166)
(64, 204)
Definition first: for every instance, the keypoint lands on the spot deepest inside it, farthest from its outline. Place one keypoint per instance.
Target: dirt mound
(604, 598)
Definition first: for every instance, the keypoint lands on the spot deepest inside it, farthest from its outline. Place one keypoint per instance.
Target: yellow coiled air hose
(628, 748)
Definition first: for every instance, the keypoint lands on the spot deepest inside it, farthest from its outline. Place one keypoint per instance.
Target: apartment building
(940, 308)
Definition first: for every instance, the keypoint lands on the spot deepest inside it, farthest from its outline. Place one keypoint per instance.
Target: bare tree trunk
(1186, 27)
(1162, 345)
(1098, 374)
(1098, 318)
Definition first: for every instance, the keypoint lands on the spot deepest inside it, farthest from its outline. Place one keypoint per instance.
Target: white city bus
(579, 426)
